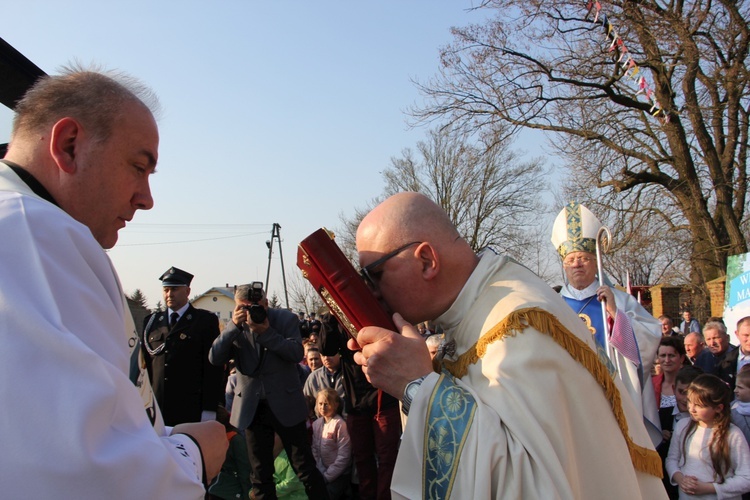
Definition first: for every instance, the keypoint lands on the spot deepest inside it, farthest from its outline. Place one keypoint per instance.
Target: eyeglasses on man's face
(368, 272)
(577, 261)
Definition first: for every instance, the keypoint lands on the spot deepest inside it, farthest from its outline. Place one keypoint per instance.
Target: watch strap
(409, 392)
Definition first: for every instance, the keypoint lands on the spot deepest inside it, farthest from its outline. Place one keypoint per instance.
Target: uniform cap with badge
(176, 277)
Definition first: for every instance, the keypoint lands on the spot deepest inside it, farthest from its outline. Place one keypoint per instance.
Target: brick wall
(665, 301)
(716, 293)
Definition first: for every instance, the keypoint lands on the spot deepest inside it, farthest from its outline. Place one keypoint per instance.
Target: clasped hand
(391, 360)
(605, 293)
(692, 486)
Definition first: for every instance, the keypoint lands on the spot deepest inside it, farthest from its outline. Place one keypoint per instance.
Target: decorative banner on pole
(737, 293)
(625, 60)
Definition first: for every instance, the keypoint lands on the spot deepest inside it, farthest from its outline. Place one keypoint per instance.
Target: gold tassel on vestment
(644, 459)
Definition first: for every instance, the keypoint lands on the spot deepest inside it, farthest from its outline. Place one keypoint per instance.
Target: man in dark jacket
(267, 347)
(175, 347)
(720, 357)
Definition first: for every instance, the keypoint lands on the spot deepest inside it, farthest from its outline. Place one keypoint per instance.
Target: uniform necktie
(173, 319)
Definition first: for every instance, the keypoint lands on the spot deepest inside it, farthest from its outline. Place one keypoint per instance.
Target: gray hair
(95, 97)
(715, 325)
(243, 292)
(433, 340)
(697, 334)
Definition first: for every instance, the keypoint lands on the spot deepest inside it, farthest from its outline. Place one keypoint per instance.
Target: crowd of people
(493, 386)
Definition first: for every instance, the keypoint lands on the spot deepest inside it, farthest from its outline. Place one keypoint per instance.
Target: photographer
(266, 345)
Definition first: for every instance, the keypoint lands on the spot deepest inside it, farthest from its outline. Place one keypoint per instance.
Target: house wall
(217, 303)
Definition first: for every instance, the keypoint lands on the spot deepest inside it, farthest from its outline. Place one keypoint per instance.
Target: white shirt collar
(574, 293)
(180, 311)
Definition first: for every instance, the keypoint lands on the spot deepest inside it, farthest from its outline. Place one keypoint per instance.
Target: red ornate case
(340, 286)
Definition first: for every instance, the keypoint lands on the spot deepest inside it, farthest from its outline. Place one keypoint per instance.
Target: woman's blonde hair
(332, 396)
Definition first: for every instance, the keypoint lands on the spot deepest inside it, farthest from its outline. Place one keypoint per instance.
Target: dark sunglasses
(366, 272)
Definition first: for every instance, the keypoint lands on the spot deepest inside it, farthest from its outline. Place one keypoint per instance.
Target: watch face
(409, 393)
(412, 389)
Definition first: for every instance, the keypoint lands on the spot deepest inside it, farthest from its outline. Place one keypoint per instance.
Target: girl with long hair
(708, 456)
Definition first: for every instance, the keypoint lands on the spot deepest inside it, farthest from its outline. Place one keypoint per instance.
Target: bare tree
(302, 295)
(565, 68)
(487, 190)
(346, 234)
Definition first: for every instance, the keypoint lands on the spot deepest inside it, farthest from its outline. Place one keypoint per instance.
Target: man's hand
(240, 316)
(389, 360)
(259, 328)
(605, 293)
(212, 439)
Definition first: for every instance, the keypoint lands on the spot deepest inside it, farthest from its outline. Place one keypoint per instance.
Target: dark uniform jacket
(185, 383)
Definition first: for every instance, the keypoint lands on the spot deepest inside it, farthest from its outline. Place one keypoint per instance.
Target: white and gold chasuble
(525, 409)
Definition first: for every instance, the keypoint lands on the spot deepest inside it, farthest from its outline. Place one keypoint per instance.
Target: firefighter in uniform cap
(175, 346)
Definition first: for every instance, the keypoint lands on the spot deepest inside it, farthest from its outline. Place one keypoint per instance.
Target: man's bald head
(423, 279)
(694, 344)
(407, 216)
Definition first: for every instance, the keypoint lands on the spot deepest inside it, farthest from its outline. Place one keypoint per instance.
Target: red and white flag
(623, 338)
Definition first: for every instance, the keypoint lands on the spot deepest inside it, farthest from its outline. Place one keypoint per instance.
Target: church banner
(737, 296)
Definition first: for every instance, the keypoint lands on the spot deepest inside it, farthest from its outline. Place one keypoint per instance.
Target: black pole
(269, 244)
(276, 235)
(281, 256)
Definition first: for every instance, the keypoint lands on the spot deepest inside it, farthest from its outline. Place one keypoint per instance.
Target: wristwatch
(409, 392)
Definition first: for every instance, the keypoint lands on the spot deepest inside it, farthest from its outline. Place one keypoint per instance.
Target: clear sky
(276, 111)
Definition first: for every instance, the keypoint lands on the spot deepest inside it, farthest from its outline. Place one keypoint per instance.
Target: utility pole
(276, 234)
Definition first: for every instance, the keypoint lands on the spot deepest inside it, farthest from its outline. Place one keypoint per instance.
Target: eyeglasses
(367, 272)
(577, 260)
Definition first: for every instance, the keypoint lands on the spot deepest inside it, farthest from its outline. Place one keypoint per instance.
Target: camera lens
(257, 313)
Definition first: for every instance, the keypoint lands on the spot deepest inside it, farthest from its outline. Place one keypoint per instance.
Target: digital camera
(257, 312)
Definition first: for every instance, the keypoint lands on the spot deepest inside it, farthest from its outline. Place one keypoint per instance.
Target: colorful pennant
(625, 60)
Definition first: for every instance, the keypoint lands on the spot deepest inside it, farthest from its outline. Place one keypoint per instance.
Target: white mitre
(575, 230)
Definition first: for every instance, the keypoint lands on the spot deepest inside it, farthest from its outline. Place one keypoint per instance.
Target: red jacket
(657, 381)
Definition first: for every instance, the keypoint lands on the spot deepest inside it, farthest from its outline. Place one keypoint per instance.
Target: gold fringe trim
(644, 460)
